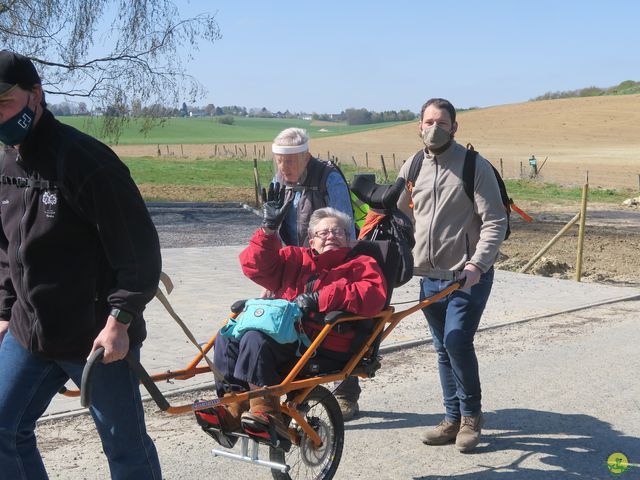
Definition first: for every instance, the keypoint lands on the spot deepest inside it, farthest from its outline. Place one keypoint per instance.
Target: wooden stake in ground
(256, 179)
(384, 169)
(551, 242)
(583, 216)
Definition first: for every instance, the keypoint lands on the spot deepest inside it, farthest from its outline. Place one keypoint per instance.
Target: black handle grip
(136, 367)
(85, 384)
(148, 383)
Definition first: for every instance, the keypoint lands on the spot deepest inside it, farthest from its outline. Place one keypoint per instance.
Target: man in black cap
(79, 260)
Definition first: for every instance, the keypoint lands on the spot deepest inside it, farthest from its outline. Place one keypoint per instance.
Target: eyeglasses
(336, 232)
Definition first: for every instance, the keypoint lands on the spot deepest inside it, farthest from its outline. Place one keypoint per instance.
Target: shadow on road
(534, 445)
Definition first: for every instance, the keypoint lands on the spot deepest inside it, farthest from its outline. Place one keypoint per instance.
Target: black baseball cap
(16, 69)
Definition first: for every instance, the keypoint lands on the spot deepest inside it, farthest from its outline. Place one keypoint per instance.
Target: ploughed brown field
(598, 135)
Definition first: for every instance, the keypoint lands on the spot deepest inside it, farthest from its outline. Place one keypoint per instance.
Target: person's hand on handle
(471, 275)
(4, 328)
(115, 340)
(274, 207)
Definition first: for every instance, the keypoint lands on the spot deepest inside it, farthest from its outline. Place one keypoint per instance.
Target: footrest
(249, 454)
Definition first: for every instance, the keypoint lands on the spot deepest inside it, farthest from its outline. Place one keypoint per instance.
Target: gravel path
(183, 225)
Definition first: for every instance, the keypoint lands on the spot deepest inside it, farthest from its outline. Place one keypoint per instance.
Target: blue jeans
(453, 322)
(258, 359)
(27, 385)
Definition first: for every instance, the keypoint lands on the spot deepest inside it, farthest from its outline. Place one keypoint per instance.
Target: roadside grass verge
(207, 180)
(531, 190)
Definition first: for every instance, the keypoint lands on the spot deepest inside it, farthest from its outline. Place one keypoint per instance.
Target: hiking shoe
(349, 409)
(267, 428)
(264, 423)
(443, 433)
(469, 435)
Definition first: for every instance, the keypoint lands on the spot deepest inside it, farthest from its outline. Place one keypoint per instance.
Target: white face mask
(435, 137)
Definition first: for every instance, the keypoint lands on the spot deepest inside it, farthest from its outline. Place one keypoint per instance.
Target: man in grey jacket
(455, 238)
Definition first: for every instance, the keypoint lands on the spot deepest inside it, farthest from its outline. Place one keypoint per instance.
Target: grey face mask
(435, 137)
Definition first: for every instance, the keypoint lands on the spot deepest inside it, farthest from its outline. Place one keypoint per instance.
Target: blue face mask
(16, 129)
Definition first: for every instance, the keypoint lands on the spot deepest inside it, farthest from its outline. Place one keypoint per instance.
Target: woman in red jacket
(339, 282)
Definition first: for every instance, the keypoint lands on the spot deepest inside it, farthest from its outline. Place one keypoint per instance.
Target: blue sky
(326, 56)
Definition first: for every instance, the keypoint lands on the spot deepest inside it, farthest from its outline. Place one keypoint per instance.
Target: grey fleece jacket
(451, 232)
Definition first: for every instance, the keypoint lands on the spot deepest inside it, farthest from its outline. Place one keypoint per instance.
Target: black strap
(469, 172)
(32, 182)
(414, 169)
(310, 282)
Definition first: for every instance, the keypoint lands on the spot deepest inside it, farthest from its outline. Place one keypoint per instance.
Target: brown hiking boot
(230, 415)
(349, 408)
(264, 423)
(469, 435)
(443, 433)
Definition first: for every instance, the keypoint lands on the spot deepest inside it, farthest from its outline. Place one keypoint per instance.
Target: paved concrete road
(560, 396)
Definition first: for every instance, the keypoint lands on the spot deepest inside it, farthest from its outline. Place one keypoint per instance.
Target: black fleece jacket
(76, 239)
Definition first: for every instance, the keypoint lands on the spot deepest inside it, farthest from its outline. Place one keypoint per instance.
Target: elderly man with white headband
(314, 184)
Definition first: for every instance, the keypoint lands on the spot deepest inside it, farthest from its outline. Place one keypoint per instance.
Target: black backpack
(468, 179)
(397, 228)
(393, 225)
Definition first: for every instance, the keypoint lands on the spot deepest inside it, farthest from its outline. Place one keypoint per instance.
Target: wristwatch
(121, 316)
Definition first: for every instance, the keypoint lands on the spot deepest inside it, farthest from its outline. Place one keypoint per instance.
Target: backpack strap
(312, 279)
(414, 169)
(469, 172)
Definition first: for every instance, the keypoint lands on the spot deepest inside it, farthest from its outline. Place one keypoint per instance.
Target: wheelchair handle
(136, 368)
(85, 384)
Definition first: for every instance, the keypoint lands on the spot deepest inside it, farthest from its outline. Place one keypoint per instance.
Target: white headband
(285, 150)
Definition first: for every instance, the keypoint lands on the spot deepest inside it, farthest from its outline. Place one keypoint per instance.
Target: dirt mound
(610, 246)
(550, 267)
(632, 202)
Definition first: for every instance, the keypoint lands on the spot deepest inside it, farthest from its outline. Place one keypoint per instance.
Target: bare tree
(140, 56)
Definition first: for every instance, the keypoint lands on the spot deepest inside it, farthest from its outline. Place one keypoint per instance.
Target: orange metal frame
(386, 322)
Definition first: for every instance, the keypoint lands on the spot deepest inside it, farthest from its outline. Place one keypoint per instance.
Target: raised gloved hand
(308, 302)
(274, 207)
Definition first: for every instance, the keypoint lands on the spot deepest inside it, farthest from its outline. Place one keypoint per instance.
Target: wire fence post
(384, 169)
(256, 178)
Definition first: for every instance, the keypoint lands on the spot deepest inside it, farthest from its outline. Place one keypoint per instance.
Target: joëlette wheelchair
(316, 426)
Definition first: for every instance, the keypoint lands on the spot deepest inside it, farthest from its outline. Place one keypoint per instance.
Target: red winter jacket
(356, 285)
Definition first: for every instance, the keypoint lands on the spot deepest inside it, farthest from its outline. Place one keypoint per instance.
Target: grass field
(206, 130)
(220, 180)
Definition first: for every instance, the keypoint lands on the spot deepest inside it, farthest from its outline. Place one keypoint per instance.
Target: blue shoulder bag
(280, 319)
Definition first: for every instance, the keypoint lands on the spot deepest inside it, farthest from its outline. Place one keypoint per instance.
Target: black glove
(308, 302)
(274, 207)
